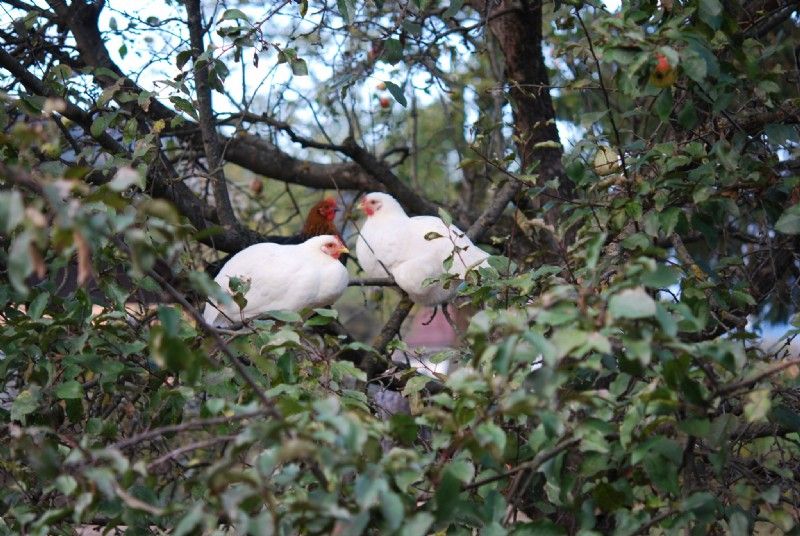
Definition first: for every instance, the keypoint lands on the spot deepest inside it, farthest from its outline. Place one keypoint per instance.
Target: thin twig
(220, 342)
(197, 445)
(183, 427)
(732, 387)
(617, 137)
(534, 463)
(372, 282)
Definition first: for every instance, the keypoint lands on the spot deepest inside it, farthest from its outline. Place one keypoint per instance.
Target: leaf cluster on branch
(629, 364)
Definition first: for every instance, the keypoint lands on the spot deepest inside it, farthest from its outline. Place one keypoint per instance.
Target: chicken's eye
(329, 245)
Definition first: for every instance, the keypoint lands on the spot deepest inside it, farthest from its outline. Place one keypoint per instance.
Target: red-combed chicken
(413, 249)
(281, 277)
(320, 221)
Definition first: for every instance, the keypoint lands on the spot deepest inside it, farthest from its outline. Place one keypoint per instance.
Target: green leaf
(124, 178)
(25, 403)
(632, 303)
(66, 484)
(328, 313)
(463, 470)
(568, 339)
(346, 10)
(20, 264)
(346, 369)
(694, 66)
(669, 218)
(446, 496)
(542, 527)
(101, 123)
(432, 235)
(758, 405)
(12, 210)
(415, 385)
(662, 277)
(366, 490)
(184, 105)
(453, 8)
(687, 117)
(190, 521)
(285, 316)
(170, 319)
(417, 525)
(701, 502)
(489, 434)
(711, 13)
(392, 509)
(696, 427)
(234, 14)
(180, 60)
(785, 416)
(663, 104)
(666, 320)
(37, 306)
(403, 428)
(396, 92)
(392, 52)
(69, 390)
(663, 473)
(299, 67)
(607, 497)
(738, 524)
(789, 222)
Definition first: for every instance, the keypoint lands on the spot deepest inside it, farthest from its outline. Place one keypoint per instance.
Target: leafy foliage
(614, 380)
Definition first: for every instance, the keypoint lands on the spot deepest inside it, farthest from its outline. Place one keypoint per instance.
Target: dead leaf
(84, 258)
(38, 262)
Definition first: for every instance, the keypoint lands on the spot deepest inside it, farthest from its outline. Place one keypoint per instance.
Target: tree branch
(534, 463)
(495, 209)
(390, 329)
(383, 173)
(744, 384)
(183, 427)
(208, 129)
(176, 192)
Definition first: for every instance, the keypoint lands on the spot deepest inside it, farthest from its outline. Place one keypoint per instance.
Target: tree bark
(205, 111)
(517, 26)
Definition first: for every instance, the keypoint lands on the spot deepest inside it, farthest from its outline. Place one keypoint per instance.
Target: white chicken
(281, 277)
(391, 243)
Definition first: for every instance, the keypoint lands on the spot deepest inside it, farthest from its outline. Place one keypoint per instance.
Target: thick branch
(495, 209)
(381, 171)
(205, 112)
(374, 365)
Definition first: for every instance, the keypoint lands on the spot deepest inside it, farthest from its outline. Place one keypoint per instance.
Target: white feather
(281, 277)
(399, 242)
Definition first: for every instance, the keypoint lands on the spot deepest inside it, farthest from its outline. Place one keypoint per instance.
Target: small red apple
(662, 64)
(385, 102)
(663, 75)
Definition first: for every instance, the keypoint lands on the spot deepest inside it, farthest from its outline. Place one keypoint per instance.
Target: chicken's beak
(343, 249)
